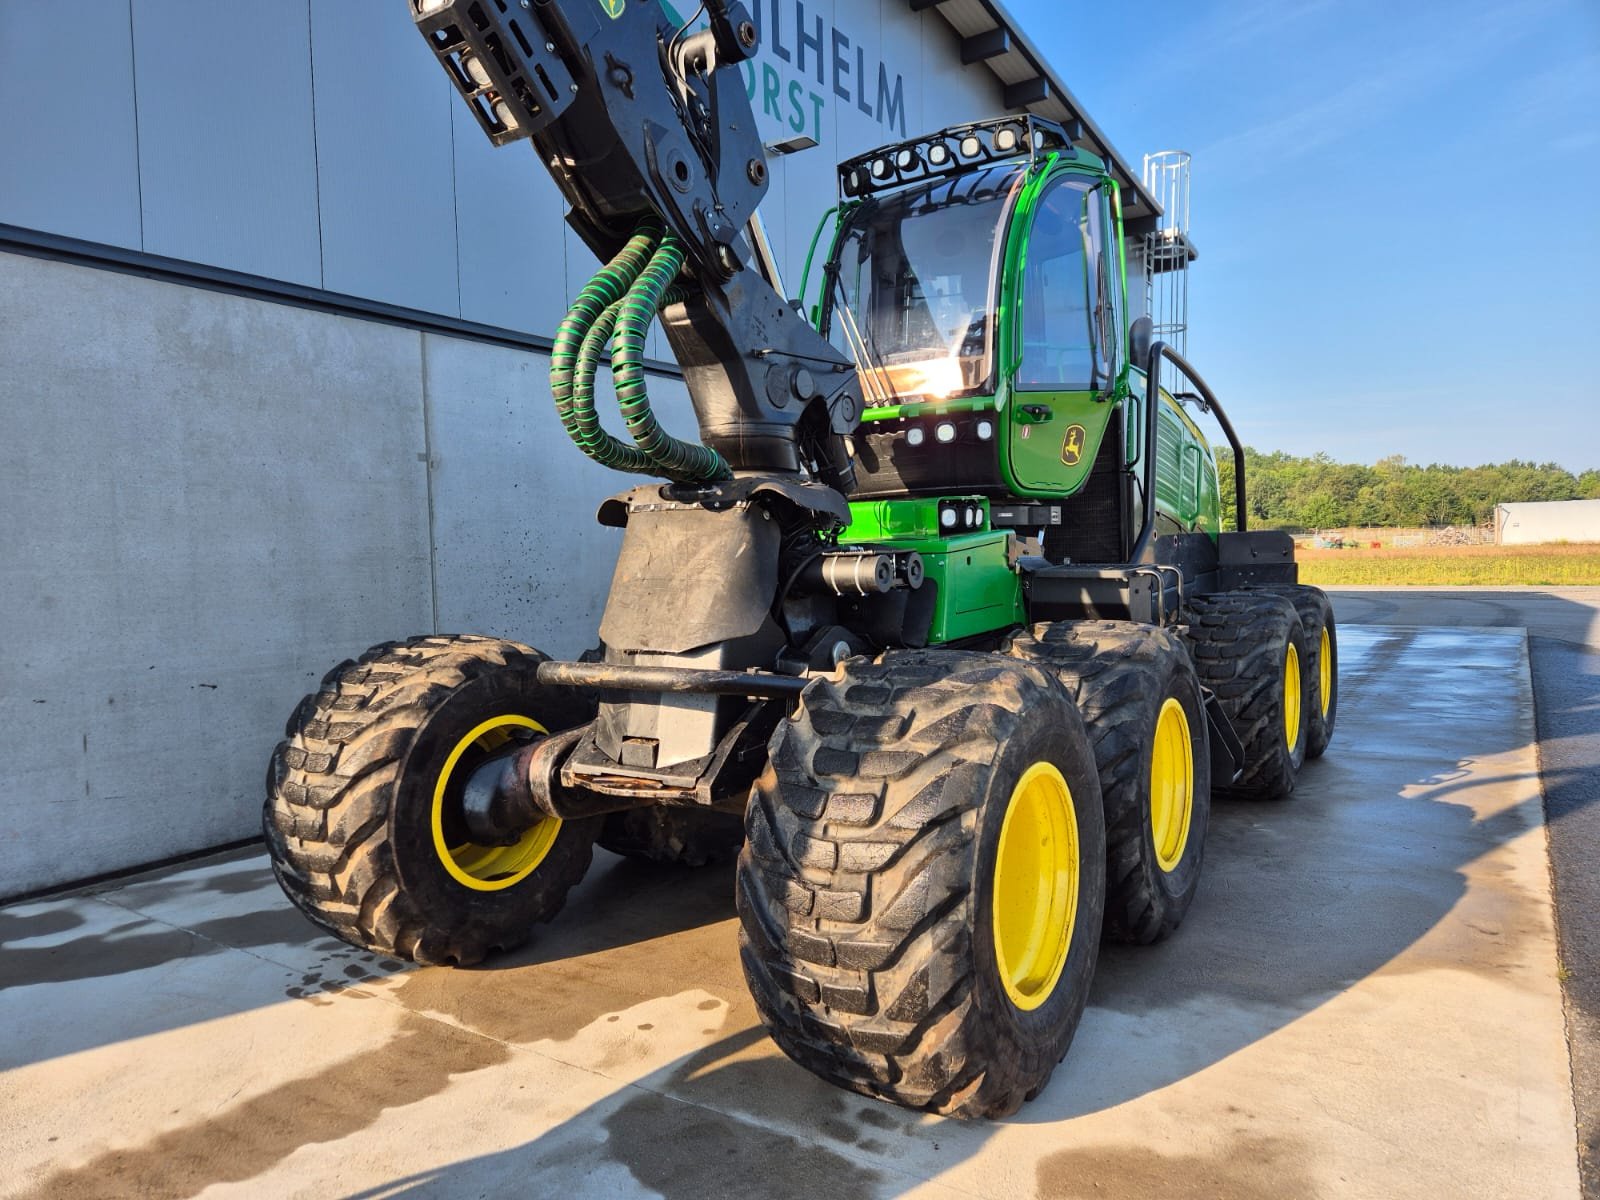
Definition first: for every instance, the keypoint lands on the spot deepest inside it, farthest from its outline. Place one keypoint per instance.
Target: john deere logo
(613, 7)
(1072, 445)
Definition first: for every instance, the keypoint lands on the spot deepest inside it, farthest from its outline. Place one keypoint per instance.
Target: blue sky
(1397, 207)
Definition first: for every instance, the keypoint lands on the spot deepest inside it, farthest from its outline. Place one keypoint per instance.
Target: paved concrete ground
(1362, 1003)
(1564, 643)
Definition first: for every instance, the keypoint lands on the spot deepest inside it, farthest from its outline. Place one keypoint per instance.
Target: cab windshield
(913, 297)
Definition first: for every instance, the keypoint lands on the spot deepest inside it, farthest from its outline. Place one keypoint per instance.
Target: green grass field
(1466, 566)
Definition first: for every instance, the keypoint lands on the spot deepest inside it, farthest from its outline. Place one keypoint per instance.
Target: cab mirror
(1140, 334)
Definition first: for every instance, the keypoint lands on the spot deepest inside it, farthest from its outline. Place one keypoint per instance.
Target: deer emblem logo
(1072, 445)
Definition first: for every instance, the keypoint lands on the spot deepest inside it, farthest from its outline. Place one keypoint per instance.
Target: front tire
(362, 817)
(922, 885)
(1142, 706)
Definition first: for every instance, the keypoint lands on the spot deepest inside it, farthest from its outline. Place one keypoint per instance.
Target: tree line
(1284, 490)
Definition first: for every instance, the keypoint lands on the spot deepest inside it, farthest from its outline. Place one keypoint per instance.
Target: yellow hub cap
(1325, 671)
(1171, 784)
(1035, 885)
(1291, 697)
(488, 868)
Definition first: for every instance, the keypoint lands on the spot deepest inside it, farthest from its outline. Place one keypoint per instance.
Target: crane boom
(647, 127)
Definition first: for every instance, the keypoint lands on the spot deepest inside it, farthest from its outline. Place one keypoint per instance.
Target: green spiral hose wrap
(617, 306)
(601, 292)
(584, 427)
(685, 461)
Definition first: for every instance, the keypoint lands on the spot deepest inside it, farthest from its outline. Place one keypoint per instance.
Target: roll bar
(1208, 403)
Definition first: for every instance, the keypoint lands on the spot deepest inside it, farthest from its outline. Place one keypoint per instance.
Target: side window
(1060, 287)
(1113, 329)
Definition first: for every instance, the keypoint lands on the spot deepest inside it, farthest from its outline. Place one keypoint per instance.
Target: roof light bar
(951, 151)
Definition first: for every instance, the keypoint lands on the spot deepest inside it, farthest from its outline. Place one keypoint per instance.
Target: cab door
(1056, 413)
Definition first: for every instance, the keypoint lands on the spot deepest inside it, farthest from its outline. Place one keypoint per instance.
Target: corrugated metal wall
(317, 142)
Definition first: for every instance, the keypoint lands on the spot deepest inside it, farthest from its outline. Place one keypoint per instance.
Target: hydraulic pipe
(616, 677)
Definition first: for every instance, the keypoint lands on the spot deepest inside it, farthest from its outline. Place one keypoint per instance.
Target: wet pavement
(1563, 627)
(1364, 1001)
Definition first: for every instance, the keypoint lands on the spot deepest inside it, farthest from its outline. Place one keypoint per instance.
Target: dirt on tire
(1316, 614)
(1239, 641)
(1120, 674)
(349, 806)
(866, 883)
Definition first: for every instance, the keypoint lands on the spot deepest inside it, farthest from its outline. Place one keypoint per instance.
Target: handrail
(1208, 401)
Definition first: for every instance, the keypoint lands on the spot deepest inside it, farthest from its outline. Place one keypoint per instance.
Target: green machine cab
(979, 277)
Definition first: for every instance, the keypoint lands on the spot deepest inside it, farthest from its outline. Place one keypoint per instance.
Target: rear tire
(1322, 646)
(362, 813)
(1123, 677)
(904, 934)
(1249, 649)
(685, 837)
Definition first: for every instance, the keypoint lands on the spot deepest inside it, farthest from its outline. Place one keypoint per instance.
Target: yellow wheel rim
(1171, 785)
(1291, 697)
(489, 868)
(1036, 875)
(1325, 671)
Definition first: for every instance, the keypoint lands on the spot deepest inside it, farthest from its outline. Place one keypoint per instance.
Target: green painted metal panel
(1186, 470)
(978, 589)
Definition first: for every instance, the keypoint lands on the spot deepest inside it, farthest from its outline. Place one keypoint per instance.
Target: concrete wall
(208, 501)
(1535, 522)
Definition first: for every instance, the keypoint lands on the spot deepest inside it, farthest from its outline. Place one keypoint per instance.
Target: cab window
(1060, 290)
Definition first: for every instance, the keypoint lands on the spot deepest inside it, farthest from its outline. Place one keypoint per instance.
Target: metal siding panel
(385, 186)
(953, 93)
(68, 142)
(903, 32)
(510, 229)
(226, 154)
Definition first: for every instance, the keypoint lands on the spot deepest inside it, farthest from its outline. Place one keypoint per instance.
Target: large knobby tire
(1249, 649)
(1322, 660)
(362, 817)
(685, 837)
(1141, 703)
(922, 884)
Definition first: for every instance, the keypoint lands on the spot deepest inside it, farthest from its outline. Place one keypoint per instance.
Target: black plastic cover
(688, 576)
